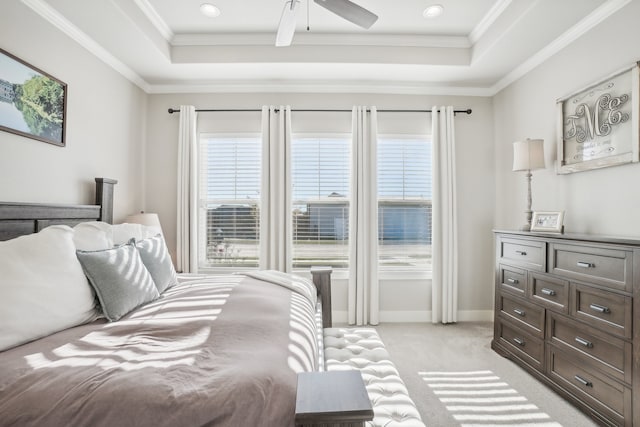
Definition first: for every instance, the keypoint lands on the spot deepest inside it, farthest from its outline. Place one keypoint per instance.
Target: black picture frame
(33, 103)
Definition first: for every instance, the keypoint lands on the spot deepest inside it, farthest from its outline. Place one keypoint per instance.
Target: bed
(207, 351)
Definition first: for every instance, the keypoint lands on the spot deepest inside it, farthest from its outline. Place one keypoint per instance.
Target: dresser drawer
(521, 343)
(608, 267)
(530, 254)
(549, 291)
(513, 279)
(612, 355)
(602, 309)
(576, 375)
(527, 315)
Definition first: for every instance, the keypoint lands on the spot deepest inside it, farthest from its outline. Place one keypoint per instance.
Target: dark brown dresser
(567, 309)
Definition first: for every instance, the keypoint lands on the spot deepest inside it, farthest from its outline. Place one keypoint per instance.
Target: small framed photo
(547, 221)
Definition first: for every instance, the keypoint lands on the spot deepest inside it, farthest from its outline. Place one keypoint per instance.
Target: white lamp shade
(528, 155)
(147, 219)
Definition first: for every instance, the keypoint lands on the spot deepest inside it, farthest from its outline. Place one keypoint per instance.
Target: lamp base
(528, 215)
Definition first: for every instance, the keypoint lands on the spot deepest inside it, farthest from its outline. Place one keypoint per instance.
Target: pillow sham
(122, 233)
(43, 289)
(93, 236)
(120, 279)
(156, 258)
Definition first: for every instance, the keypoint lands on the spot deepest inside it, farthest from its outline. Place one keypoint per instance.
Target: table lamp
(528, 155)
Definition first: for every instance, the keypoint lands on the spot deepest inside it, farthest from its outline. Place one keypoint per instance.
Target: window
(404, 202)
(229, 201)
(320, 200)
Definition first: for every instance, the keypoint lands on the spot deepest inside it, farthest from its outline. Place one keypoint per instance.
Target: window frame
(348, 136)
(201, 230)
(393, 273)
(404, 273)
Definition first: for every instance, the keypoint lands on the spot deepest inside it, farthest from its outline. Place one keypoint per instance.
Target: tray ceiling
(476, 47)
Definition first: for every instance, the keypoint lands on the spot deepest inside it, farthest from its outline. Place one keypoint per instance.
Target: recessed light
(209, 10)
(433, 11)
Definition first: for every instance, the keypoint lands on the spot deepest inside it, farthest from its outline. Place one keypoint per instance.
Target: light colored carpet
(425, 354)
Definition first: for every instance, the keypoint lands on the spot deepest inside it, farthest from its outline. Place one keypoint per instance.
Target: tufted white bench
(362, 349)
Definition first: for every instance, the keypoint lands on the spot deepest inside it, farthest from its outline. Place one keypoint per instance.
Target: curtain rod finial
(171, 111)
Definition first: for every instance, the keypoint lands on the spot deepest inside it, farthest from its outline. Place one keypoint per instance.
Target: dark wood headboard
(17, 219)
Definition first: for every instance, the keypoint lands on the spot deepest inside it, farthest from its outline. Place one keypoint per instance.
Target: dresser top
(599, 238)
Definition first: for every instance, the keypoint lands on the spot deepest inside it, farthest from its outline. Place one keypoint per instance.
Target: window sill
(338, 274)
(341, 274)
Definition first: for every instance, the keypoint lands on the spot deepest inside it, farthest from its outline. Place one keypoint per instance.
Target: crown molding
(485, 23)
(156, 20)
(323, 39)
(43, 9)
(383, 87)
(572, 34)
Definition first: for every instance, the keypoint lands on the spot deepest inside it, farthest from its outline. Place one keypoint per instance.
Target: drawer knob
(513, 281)
(523, 253)
(583, 381)
(519, 312)
(549, 292)
(519, 341)
(599, 308)
(584, 342)
(585, 264)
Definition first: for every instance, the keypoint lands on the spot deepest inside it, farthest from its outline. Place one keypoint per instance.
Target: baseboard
(406, 316)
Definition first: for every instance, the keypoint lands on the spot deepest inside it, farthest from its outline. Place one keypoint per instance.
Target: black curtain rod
(173, 110)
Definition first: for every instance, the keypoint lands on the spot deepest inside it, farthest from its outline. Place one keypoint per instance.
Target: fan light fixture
(209, 10)
(350, 11)
(343, 8)
(433, 11)
(287, 26)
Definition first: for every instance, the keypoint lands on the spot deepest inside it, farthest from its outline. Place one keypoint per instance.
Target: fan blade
(350, 11)
(287, 26)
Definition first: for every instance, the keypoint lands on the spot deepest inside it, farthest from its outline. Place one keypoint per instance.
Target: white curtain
(363, 297)
(444, 303)
(186, 249)
(275, 193)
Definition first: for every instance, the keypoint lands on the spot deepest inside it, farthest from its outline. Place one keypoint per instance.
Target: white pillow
(93, 236)
(42, 286)
(122, 233)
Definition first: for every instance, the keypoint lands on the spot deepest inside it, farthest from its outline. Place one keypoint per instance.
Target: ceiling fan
(343, 8)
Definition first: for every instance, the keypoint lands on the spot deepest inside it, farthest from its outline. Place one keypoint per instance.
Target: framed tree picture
(32, 102)
(598, 125)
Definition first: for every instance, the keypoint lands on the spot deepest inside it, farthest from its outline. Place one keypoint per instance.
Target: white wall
(604, 201)
(401, 299)
(105, 123)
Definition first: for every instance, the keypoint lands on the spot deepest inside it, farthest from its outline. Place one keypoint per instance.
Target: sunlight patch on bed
(192, 305)
(147, 338)
(128, 353)
(163, 322)
(39, 361)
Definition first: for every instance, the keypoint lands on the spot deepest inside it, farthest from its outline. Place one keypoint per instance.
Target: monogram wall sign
(598, 125)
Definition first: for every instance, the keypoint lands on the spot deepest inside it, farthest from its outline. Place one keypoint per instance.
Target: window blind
(320, 201)
(404, 202)
(229, 201)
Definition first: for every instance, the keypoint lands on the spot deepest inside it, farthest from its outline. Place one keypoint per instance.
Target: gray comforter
(216, 351)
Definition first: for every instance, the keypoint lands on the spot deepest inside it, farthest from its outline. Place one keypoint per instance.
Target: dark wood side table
(335, 398)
